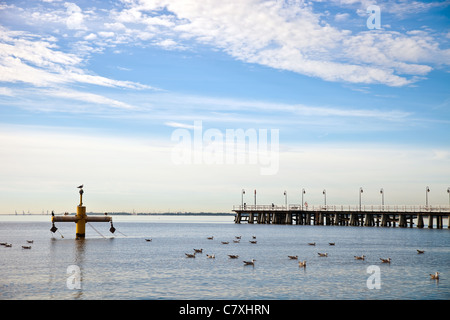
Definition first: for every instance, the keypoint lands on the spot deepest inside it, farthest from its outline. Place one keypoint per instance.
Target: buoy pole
(80, 231)
(81, 222)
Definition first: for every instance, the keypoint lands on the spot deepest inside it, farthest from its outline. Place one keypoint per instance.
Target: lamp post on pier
(303, 192)
(285, 198)
(426, 196)
(382, 198)
(255, 198)
(448, 191)
(360, 193)
(242, 199)
(325, 197)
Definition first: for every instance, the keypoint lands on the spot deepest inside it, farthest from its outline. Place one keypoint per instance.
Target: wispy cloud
(27, 58)
(292, 36)
(285, 35)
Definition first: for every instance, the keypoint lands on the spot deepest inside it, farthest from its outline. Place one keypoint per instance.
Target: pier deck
(368, 216)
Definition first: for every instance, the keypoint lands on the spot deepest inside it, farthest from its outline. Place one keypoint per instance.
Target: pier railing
(345, 208)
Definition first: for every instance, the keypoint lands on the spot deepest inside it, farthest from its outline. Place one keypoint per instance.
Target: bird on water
(250, 263)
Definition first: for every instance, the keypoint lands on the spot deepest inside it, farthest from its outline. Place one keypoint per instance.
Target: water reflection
(78, 259)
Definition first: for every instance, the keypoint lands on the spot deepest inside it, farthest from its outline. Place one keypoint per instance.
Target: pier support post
(250, 218)
(402, 221)
(369, 220)
(430, 221)
(337, 219)
(384, 220)
(419, 221)
(439, 222)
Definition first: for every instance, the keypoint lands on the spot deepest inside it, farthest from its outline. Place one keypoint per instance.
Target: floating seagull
(420, 251)
(331, 243)
(322, 254)
(233, 256)
(26, 247)
(8, 245)
(253, 241)
(30, 241)
(190, 255)
(80, 187)
(360, 257)
(148, 240)
(210, 238)
(388, 260)
(253, 237)
(435, 276)
(237, 237)
(302, 264)
(225, 242)
(198, 250)
(211, 256)
(3, 243)
(312, 243)
(250, 263)
(293, 257)
(236, 241)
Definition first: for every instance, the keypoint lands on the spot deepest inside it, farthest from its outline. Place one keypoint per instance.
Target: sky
(171, 105)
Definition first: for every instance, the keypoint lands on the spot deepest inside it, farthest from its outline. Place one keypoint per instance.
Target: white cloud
(291, 36)
(90, 36)
(75, 20)
(106, 34)
(86, 97)
(4, 91)
(339, 17)
(25, 58)
(286, 35)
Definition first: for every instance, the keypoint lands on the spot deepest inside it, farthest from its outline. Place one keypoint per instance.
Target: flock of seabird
(9, 245)
(301, 264)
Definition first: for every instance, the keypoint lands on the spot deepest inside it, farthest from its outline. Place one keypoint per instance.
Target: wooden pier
(367, 216)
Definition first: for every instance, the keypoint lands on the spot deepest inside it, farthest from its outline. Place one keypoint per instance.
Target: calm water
(125, 266)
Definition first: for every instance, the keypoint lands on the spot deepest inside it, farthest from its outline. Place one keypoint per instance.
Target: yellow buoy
(80, 219)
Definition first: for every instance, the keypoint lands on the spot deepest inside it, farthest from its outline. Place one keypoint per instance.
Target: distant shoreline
(133, 214)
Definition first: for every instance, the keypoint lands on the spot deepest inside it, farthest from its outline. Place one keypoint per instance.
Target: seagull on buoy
(80, 187)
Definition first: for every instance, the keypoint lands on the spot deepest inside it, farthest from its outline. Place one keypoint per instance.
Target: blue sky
(92, 91)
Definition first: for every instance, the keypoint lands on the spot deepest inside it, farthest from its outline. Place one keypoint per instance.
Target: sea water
(125, 266)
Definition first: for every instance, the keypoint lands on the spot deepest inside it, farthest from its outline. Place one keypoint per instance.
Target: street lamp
(382, 197)
(242, 199)
(285, 198)
(360, 192)
(255, 198)
(448, 191)
(325, 196)
(303, 192)
(426, 195)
